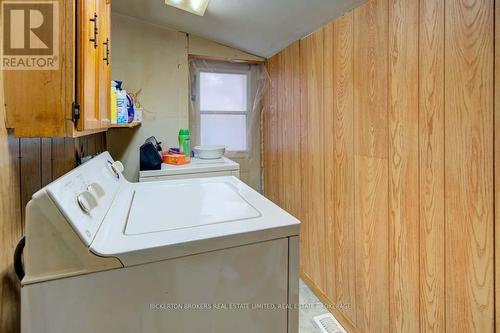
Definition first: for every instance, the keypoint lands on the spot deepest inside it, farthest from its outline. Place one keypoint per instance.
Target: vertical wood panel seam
(419, 24)
(387, 145)
(19, 159)
(333, 114)
(495, 241)
(280, 116)
(325, 202)
(41, 162)
(52, 159)
(418, 167)
(332, 76)
(444, 168)
(495, 136)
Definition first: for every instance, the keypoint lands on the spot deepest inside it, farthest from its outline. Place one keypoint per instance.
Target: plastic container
(113, 103)
(121, 104)
(185, 142)
(176, 159)
(130, 108)
(137, 114)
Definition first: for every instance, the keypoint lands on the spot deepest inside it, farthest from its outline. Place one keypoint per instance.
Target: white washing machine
(197, 168)
(194, 255)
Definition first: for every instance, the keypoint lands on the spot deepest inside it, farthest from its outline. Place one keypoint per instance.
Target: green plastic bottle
(185, 142)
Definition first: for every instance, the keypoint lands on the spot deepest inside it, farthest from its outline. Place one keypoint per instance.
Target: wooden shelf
(129, 125)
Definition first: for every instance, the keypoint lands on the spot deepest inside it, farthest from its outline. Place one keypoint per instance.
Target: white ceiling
(260, 27)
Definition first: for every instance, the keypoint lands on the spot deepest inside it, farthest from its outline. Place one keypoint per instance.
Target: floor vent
(328, 324)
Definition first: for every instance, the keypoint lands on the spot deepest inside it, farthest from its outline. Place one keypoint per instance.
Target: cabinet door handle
(106, 57)
(96, 31)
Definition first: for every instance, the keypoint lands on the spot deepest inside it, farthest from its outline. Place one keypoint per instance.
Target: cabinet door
(104, 62)
(87, 64)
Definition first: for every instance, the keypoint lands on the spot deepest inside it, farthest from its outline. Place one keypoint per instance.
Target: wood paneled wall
(26, 165)
(379, 136)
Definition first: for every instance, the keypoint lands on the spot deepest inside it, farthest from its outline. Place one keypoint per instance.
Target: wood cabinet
(73, 99)
(105, 63)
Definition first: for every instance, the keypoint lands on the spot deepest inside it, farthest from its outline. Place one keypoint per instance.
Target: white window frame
(247, 73)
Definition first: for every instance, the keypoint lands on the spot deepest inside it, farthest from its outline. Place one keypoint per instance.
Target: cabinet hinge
(75, 112)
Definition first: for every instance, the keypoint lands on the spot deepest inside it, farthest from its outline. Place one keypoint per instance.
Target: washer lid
(185, 205)
(175, 218)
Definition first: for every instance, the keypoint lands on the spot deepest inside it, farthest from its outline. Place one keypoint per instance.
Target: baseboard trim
(325, 300)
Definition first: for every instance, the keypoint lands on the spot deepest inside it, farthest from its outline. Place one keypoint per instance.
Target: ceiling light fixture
(197, 7)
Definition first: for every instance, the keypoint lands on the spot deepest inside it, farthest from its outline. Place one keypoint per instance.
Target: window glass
(224, 129)
(223, 92)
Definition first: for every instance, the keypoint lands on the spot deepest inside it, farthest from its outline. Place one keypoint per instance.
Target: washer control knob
(87, 201)
(96, 190)
(117, 167)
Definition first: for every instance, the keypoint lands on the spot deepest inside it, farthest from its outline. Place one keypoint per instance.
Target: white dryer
(194, 255)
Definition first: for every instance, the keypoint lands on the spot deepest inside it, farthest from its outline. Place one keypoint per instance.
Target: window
(223, 107)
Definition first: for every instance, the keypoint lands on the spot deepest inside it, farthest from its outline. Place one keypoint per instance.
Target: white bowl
(209, 152)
